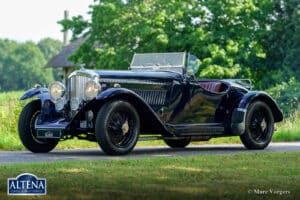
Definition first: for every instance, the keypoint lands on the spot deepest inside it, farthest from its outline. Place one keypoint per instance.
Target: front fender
(41, 93)
(113, 92)
(150, 122)
(239, 113)
(48, 112)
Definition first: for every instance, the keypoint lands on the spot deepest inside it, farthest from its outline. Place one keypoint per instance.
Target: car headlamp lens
(57, 90)
(92, 89)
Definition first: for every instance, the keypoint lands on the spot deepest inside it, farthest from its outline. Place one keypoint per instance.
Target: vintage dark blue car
(157, 98)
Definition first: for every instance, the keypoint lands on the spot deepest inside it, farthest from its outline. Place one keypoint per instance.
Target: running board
(205, 129)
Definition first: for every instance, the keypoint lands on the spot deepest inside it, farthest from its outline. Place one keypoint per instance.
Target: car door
(197, 101)
(200, 102)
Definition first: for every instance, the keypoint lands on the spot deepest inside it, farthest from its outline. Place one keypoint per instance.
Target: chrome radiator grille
(76, 87)
(152, 97)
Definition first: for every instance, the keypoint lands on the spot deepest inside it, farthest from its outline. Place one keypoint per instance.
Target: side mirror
(193, 65)
(190, 72)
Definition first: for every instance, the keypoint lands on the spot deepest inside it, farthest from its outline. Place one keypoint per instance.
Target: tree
(220, 33)
(50, 48)
(254, 39)
(22, 65)
(282, 42)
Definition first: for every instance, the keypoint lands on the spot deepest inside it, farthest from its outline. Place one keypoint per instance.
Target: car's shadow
(153, 151)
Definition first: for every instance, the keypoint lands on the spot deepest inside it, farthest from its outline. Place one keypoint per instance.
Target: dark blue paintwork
(138, 75)
(48, 112)
(35, 92)
(259, 95)
(115, 92)
(185, 103)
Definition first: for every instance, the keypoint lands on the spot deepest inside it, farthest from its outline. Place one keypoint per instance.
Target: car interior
(214, 86)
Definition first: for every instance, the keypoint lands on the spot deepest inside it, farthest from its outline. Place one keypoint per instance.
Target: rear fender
(239, 113)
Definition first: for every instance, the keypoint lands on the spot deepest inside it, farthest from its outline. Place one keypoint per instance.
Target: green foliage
(220, 33)
(287, 95)
(21, 66)
(289, 129)
(255, 39)
(281, 41)
(50, 47)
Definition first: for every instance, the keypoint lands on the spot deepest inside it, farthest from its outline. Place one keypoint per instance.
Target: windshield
(159, 61)
(174, 62)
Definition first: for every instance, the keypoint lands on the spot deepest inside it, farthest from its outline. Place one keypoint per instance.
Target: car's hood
(127, 74)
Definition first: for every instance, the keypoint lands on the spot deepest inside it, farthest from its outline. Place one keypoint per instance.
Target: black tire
(259, 126)
(27, 132)
(178, 143)
(117, 127)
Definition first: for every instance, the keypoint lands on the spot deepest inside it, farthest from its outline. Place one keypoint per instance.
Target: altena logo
(26, 184)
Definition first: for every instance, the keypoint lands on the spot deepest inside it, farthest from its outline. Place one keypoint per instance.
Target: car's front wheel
(259, 126)
(178, 143)
(27, 131)
(117, 127)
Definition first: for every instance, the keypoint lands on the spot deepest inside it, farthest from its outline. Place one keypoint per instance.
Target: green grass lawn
(197, 177)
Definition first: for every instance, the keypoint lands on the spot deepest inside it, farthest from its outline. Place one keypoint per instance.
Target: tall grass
(289, 129)
(11, 106)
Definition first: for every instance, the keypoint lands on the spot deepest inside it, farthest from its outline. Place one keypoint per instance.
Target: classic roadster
(157, 98)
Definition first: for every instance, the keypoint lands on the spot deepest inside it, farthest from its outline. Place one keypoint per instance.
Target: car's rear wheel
(178, 143)
(259, 126)
(27, 131)
(117, 127)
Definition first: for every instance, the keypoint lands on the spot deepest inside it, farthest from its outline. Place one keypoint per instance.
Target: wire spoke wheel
(259, 126)
(120, 128)
(33, 122)
(27, 132)
(117, 127)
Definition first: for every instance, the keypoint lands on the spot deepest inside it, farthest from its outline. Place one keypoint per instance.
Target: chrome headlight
(57, 90)
(92, 89)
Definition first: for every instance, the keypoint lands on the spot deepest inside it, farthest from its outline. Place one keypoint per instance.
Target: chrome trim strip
(84, 72)
(133, 81)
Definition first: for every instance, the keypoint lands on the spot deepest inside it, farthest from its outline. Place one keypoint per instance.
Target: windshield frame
(161, 65)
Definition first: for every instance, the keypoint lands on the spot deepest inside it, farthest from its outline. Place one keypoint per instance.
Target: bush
(287, 95)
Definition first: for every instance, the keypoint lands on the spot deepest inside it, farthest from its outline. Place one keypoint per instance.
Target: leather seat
(211, 86)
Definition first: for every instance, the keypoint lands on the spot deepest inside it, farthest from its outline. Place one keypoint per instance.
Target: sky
(24, 20)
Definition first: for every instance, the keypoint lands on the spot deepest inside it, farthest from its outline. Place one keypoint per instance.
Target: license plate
(49, 134)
